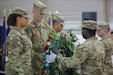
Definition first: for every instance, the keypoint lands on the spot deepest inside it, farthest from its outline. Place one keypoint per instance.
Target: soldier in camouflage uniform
(111, 34)
(58, 22)
(103, 31)
(57, 26)
(89, 55)
(18, 45)
(38, 31)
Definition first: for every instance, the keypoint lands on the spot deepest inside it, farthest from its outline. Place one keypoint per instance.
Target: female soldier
(18, 45)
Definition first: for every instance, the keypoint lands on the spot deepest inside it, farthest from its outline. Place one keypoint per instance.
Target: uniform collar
(92, 38)
(20, 30)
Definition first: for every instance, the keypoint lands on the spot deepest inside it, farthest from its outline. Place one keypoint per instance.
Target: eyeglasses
(41, 14)
(25, 17)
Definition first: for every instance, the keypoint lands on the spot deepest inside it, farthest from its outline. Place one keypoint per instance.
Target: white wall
(111, 14)
(10, 4)
(72, 10)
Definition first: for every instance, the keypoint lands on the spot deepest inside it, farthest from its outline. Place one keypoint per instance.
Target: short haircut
(12, 19)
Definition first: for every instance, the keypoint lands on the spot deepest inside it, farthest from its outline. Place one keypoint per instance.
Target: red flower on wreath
(47, 45)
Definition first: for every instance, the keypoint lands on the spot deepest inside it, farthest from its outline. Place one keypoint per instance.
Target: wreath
(62, 43)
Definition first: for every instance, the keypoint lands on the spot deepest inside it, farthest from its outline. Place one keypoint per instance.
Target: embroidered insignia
(33, 25)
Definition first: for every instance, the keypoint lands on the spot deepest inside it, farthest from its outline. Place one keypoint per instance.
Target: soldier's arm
(107, 43)
(14, 46)
(78, 57)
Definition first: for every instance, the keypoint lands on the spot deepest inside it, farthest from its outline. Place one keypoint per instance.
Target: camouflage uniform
(19, 53)
(56, 28)
(38, 32)
(108, 44)
(89, 55)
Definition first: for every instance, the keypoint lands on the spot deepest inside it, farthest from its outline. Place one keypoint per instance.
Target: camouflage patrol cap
(40, 7)
(103, 26)
(58, 18)
(89, 24)
(19, 11)
(56, 13)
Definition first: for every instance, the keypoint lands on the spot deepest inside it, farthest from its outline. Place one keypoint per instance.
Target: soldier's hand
(51, 58)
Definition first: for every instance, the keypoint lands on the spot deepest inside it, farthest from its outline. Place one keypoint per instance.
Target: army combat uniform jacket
(108, 44)
(38, 32)
(89, 55)
(19, 53)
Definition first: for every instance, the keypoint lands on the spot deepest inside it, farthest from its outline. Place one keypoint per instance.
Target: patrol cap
(19, 11)
(89, 24)
(103, 26)
(40, 7)
(56, 13)
(58, 18)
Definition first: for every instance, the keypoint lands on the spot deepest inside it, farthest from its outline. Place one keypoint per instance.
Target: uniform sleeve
(14, 47)
(107, 43)
(78, 58)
